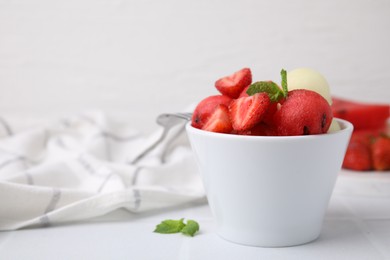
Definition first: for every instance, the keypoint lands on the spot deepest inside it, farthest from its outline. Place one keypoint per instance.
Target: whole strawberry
(380, 151)
(358, 155)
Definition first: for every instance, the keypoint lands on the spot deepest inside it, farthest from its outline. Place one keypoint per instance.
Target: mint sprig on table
(191, 228)
(171, 226)
(274, 92)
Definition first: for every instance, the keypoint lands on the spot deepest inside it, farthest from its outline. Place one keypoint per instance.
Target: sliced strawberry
(381, 153)
(206, 107)
(243, 92)
(233, 85)
(219, 121)
(246, 112)
(358, 155)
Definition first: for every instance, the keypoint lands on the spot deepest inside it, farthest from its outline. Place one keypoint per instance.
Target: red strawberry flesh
(243, 92)
(358, 154)
(219, 121)
(206, 107)
(233, 85)
(381, 153)
(246, 112)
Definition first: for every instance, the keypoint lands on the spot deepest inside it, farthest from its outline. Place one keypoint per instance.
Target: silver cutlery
(167, 121)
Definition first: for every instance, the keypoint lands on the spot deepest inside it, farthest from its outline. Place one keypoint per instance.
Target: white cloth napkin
(79, 167)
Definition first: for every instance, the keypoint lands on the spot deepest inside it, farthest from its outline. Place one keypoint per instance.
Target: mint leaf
(270, 87)
(283, 73)
(170, 226)
(191, 228)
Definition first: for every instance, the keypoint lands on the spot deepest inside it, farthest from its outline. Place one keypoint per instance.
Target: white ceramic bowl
(269, 191)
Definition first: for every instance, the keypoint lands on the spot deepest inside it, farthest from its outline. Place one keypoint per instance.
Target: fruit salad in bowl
(264, 108)
(268, 156)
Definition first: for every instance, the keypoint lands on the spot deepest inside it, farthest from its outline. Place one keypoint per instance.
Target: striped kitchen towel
(80, 167)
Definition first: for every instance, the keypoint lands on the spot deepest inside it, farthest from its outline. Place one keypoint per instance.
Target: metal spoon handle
(167, 121)
(151, 147)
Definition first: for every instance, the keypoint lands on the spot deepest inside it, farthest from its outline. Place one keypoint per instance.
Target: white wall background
(134, 59)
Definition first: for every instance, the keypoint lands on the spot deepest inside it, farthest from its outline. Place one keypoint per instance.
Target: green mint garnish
(191, 228)
(283, 73)
(270, 87)
(170, 226)
(274, 92)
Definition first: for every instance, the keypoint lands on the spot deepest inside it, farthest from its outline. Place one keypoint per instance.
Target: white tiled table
(357, 226)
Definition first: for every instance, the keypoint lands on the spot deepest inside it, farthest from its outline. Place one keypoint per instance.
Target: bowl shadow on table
(335, 234)
(336, 231)
(339, 225)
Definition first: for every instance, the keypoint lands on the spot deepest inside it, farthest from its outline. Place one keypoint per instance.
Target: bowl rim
(345, 125)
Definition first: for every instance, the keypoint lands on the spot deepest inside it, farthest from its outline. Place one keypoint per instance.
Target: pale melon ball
(334, 126)
(304, 78)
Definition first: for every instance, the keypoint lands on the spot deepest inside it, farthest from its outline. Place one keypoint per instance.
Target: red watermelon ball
(304, 112)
